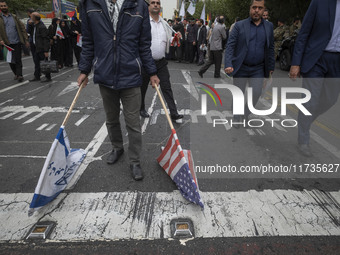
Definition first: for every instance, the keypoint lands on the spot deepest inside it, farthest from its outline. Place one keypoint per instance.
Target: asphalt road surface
(261, 196)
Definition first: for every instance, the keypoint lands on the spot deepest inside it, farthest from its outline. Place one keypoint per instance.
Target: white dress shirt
(159, 39)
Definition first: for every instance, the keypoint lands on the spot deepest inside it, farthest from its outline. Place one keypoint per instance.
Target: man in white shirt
(161, 34)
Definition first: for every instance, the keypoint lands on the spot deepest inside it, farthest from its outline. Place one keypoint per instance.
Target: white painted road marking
(25, 82)
(29, 110)
(82, 119)
(150, 111)
(71, 87)
(50, 127)
(147, 215)
(22, 156)
(42, 126)
(191, 89)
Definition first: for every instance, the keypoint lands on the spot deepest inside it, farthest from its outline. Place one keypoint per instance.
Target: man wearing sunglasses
(116, 44)
(161, 36)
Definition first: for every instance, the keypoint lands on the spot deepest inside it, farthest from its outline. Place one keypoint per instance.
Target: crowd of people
(57, 43)
(144, 42)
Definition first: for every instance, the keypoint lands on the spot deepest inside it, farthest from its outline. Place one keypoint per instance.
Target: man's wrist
(83, 72)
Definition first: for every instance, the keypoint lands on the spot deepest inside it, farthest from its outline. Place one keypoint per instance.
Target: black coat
(179, 28)
(42, 42)
(202, 36)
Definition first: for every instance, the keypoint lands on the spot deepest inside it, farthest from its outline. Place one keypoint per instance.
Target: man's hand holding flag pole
(61, 164)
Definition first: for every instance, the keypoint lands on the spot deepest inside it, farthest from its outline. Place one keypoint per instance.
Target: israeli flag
(61, 164)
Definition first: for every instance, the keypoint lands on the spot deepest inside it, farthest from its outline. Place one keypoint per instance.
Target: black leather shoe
(176, 116)
(304, 150)
(34, 79)
(137, 172)
(200, 64)
(217, 76)
(114, 156)
(20, 79)
(200, 74)
(144, 114)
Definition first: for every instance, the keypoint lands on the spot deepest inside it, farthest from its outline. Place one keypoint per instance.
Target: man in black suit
(41, 44)
(317, 57)
(250, 53)
(178, 27)
(201, 41)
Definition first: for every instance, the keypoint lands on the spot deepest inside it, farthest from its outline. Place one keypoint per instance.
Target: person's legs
(331, 87)
(164, 77)
(312, 81)
(111, 102)
(210, 61)
(41, 57)
(16, 66)
(201, 57)
(240, 80)
(18, 56)
(218, 62)
(144, 88)
(256, 79)
(131, 100)
(36, 61)
(190, 52)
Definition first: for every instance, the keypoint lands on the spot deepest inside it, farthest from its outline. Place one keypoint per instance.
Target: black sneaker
(176, 116)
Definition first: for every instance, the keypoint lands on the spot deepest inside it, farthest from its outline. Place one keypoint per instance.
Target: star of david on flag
(60, 166)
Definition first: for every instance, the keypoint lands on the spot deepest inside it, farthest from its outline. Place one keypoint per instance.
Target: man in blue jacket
(250, 53)
(317, 57)
(116, 44)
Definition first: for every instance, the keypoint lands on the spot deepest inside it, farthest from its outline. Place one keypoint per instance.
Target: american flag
(178, 164)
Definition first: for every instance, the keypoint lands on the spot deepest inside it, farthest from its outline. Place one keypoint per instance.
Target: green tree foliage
(20, 6)
(240, 8)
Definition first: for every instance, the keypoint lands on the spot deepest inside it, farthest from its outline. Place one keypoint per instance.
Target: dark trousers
(68, 57)
(215, 58)
(164, 77)
(254, 76)
(323, 81)
(190, 51)
(201, 55)
(36, 61)
(16, 66)
(37, 57)
(184, 54)
(179, 52)
(130, 99)
(77, 51)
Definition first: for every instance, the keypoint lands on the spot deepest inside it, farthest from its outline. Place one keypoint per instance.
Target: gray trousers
(131, 100)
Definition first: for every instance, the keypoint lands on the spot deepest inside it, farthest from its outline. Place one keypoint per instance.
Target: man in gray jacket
(215, 57)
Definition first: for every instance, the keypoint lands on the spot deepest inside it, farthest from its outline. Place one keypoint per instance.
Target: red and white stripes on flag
(178, 164)
(59, 32)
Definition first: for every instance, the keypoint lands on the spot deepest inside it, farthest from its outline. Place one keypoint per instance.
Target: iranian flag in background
(7, 53)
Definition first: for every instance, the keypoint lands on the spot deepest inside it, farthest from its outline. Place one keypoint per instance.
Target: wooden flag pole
(164, 107)
(72, 105)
